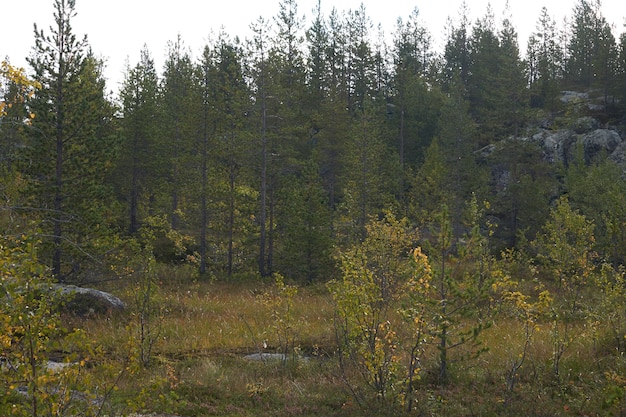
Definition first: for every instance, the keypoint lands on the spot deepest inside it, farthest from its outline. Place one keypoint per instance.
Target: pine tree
(372, 170)
(360, 65)
(524, 184)
(68, 146)
(179, 128)
(456, 55)
(305, 246)
(482, 83)
(224, 161)
(428, 188)
(141, 160)
(337, 57)
(464, 176)
(512, 109)
(329, 117)
(261, 79)
(545, 63)
(318, 66)
(591, 46)
(414, 103)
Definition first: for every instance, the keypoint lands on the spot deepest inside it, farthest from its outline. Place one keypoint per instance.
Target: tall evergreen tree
(305, 250)
(545, 63)
(261, 80)
(179, 124)
(336, 55)
(318, 66)
(141, 160)
(371, 173)
(331, 119)
(464, 177)
(414, 102)
(360, 65)
(68, 148)
(456, 59)
(511, 111)
(482, 83)
(590, 47)
(224, 158)
(523, 185)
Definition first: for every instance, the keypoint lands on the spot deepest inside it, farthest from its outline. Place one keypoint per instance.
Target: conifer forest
(400, 229)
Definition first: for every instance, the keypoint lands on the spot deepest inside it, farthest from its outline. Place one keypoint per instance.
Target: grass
(207, 328)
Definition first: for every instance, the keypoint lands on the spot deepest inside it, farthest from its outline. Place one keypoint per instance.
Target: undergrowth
(198, 365)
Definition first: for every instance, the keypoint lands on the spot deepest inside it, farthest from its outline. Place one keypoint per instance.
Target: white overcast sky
(118, 29)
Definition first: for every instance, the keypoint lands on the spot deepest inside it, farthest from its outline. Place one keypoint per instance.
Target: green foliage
(567, 247)
(149, 301)
(305, 252)
(463, 279)
(380, 296)
(531, 310)
(524, 185)
(599, 191)
(43, 363)
(545, 61)
(428, 186)
(608, 313)
(270, 157)
(368, 190)
(591, 47)
(70, 146)
(140, 166)
(280, 301)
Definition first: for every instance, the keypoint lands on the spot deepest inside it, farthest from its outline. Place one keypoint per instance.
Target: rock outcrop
(561, 145)
(86, 301)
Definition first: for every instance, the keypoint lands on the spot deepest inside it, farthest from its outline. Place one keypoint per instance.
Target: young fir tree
(460, 306)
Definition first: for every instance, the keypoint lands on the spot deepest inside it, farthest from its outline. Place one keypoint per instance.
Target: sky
(117, 30)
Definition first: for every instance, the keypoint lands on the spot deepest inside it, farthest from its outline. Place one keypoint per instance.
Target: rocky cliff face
(561, 145)
(559, 138)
